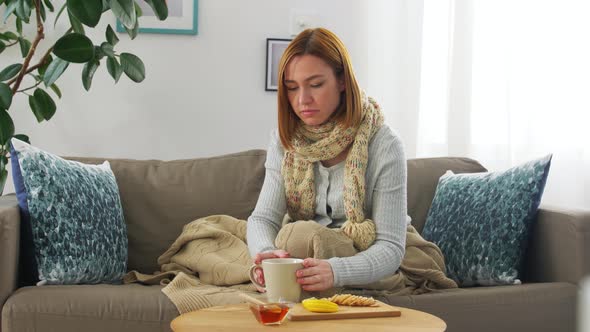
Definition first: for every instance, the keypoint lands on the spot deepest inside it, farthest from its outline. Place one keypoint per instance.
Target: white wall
(203, 95)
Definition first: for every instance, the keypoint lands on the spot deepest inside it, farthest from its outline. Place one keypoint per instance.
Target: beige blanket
(208, 264)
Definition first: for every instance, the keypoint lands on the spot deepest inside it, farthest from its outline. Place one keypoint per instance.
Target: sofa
(159, 197)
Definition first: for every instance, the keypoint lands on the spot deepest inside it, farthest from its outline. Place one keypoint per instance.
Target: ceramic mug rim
(282, 261)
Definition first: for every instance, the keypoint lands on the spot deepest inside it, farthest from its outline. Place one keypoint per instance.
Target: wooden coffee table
(239, 317)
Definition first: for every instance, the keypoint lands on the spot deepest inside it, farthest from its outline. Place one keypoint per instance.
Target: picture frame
(274, 50)
(182, 18)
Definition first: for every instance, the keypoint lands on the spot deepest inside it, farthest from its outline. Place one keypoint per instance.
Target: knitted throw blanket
(207, 265)
(325, 142)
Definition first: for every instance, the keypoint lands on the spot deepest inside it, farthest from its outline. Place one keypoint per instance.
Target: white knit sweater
(385, 204)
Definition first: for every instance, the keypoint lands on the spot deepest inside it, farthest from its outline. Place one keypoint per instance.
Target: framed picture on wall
(274, 50)
(182, 18)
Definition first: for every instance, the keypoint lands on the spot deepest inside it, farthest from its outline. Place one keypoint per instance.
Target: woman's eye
(291, 88)
(317, 85)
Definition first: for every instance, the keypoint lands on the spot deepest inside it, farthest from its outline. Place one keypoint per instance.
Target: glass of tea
(270, 313)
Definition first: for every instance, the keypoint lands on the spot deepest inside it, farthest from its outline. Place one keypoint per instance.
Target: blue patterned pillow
(481, 221)
(72, 216)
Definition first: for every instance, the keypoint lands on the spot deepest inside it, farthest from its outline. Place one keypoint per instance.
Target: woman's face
(312, 88)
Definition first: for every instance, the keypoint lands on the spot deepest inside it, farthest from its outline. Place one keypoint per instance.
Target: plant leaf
(49, 5)
(133, 67)
(3, 37)
(56, 90)
(76, 24)
(42, 12)
(25, 46)
(42, 105)
(132, 32)
(10, 35)
(2, 47)
(98, 53)
(107, 49)
(88, 72)
(36, 109)
(61, 10)
(6, 127)
(86, 11)
(3, 178)
(124, 10)
(138, 10)
(105, 5)
(10, 8)
(41, 70)
(54, 70)
(111, 36)
(23, 10)
(74, 47)
(5, 96)
(10, 72)
(159, 7)
(114, 68)
(19, 26)
(22, 137)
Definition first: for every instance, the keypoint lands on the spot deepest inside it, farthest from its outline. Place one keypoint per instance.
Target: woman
(335, 163)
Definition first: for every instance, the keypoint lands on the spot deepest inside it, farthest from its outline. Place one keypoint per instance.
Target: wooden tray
(344, 312)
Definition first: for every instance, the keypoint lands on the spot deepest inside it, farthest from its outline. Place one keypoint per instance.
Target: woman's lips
(308, 113)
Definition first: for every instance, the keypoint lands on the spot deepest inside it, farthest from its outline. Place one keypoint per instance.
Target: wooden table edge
(241, 307)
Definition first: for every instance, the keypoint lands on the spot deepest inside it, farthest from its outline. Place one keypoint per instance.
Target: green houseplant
(34, 79)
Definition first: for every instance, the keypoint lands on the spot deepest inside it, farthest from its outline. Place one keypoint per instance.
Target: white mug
(280, 279)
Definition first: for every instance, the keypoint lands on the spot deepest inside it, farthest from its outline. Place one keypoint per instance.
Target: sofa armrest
(560, 246)
(9, 244)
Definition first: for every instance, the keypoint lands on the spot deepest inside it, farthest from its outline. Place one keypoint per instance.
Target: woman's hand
(270, 254)
(316, 275)
(262, 256)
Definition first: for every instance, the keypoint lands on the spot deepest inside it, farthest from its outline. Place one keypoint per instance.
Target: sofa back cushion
(423, 175)
(160, 197)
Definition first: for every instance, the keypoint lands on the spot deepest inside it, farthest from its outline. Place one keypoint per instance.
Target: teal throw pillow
(481, 222)
(73, 226)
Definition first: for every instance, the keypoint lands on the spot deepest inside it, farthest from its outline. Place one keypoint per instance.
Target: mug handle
(253, 277)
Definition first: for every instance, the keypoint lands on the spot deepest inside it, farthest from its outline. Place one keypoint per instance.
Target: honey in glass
(270, 313)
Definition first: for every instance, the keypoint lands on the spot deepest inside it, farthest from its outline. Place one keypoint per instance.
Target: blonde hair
(326, 45)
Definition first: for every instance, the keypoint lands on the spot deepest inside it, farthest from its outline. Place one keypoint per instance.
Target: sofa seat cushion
(526, 307)
(88, 308)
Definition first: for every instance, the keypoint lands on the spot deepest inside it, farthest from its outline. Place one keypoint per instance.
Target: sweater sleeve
(266, 219)
(389, 212)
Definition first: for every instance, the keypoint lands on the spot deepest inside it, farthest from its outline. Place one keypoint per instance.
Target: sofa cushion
(528, 307)
(160, 197)
(481, 222)
(72, 216)
(88, 308)
(145, 308)
(423, 175)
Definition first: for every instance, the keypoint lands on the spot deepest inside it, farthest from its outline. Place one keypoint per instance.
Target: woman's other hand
(262, 256)
(316, 275)
(279, 253)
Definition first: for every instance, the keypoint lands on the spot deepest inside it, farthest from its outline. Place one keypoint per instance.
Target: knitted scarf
(324, 142)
